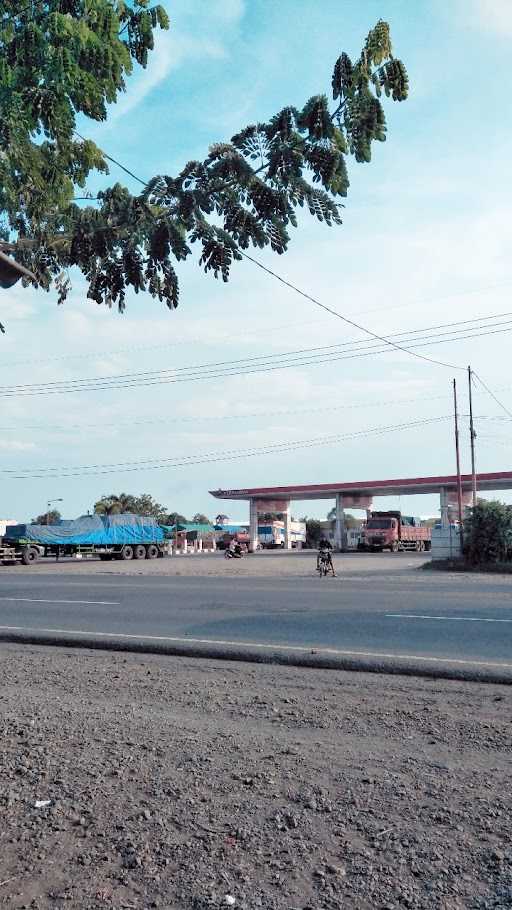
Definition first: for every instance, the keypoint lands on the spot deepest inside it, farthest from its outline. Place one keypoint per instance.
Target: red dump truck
(394, 531)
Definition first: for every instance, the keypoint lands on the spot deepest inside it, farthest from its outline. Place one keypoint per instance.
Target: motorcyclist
(234, 550)
(325, 547)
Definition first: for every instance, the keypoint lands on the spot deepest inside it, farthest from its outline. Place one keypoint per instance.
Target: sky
(425, 241)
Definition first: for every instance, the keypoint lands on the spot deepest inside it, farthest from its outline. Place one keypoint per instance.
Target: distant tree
(350, 520)
(173, 518)
(117, 503)
(430, 522)
(114, 504)
(47, 518)
(146, 505)
(201, 519)
(313, 531)
(221, 519)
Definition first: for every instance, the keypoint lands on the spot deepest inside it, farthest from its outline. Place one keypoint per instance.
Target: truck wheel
(126, 552)
(420, 546)
(151, 551)
(29, 555)
(139, 552)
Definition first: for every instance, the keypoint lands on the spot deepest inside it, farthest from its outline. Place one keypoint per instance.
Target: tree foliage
(117, 503)
(313, 531)
(48, 518)
(350, 520)
(60, 58)
(200, 519)
(488, 533)
(175, 518)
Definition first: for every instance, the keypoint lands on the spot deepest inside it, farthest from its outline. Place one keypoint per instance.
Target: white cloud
(15, 445)
(189, 39)
(228, 10)
(170, 52)
(493, 15)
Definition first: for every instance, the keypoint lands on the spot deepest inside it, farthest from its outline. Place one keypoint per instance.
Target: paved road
(466, 618)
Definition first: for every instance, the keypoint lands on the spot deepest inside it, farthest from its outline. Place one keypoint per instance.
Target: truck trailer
(124, 536)
(395, 532)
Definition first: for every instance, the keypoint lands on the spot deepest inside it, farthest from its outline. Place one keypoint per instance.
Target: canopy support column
(340, 523)
(288, 528)
(253, 526)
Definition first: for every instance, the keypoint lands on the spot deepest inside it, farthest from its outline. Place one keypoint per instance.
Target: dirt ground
(267, 563)
(189, 784)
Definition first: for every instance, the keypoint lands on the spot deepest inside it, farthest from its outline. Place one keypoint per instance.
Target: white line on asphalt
(33, 600)
(308, 649)
(445, 618)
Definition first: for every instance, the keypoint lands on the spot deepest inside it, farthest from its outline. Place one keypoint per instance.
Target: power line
(351, 322)
(203, 373)
(68, 388)
(231, 338)
(297, 290)
(314, 351)
(221, 417)
(352, 342)
(491, 393)
(208, 458)
(114, 161)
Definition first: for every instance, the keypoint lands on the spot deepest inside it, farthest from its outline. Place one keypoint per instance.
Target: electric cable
(184, 374)
(214, 457)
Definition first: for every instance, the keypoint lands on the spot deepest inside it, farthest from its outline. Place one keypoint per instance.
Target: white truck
(272, 536)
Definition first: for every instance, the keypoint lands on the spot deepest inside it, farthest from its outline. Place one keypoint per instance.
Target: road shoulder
(179, 783)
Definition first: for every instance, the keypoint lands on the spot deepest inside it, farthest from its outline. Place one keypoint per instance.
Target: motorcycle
(236, 553)
(324, 565)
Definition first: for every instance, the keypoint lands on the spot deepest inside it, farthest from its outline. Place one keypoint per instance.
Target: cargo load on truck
(395, 532)
(123, 536)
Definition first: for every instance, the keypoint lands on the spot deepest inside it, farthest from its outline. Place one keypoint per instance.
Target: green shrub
(488, 533)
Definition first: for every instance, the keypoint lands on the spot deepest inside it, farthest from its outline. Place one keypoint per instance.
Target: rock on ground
(190, 785)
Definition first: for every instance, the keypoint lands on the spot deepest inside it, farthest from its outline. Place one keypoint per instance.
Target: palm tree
(114, 504)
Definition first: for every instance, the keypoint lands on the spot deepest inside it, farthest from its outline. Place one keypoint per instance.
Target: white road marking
(33, 600)
(445, 618)
(307, 649)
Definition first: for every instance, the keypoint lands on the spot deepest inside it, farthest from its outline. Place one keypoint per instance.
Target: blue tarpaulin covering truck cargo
(124, 536)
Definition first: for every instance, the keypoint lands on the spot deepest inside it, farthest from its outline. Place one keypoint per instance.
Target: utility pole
(457, 453)
(472, 436)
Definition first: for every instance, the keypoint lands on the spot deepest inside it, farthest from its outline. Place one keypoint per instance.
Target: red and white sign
(272, 505)
(355, 501)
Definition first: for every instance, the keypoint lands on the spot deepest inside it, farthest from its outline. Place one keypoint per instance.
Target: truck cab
(381, 532)
(394, 531)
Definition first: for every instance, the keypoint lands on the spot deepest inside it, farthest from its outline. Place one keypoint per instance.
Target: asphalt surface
(409, 614)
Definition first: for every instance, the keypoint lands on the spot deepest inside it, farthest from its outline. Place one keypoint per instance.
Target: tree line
(117, 503)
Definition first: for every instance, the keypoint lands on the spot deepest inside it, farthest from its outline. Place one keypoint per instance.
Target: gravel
(267, 563)
(191, 784)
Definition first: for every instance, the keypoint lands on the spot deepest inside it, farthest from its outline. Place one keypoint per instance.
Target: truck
(124, 536)
(272, 535)
(395, 532)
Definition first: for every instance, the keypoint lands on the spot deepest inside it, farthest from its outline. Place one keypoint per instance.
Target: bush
(488, 533)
